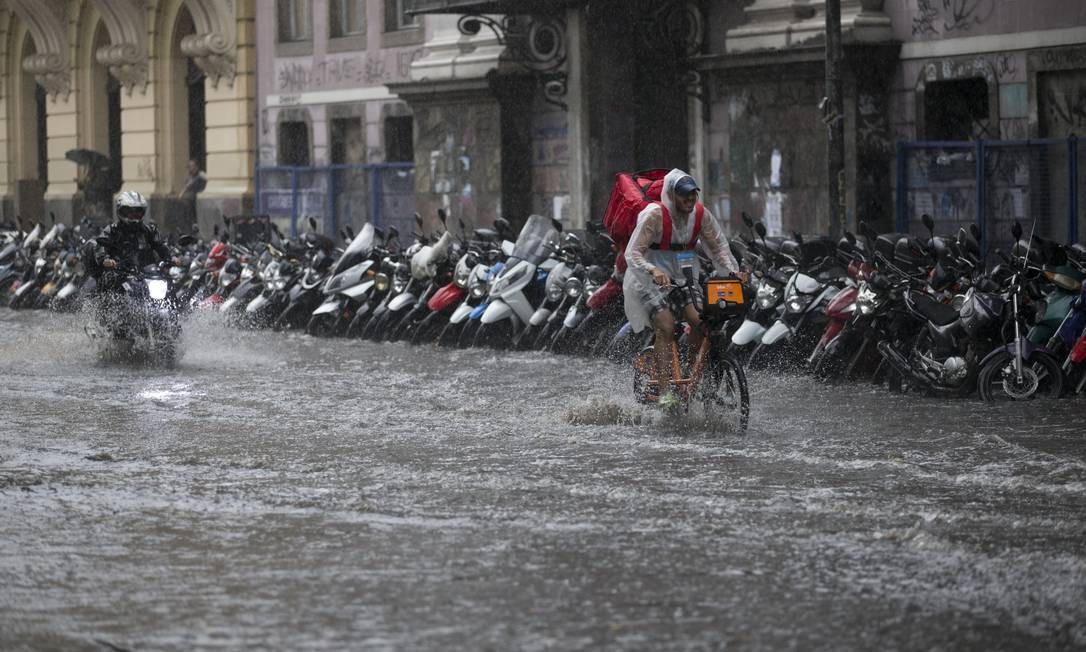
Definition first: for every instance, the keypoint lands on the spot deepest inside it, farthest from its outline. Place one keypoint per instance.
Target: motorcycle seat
(937, 313)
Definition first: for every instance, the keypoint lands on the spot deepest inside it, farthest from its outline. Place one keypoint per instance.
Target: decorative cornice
(46, 20)
(213, 47)
(126, 56)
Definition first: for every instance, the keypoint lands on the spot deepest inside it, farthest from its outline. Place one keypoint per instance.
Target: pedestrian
(195, 183)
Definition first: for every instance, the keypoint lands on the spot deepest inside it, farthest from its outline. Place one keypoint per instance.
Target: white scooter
(518, 289)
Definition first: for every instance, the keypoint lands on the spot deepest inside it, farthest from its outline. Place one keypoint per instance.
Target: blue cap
(686, 185)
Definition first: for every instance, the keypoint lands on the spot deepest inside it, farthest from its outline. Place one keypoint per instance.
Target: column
(62, 131)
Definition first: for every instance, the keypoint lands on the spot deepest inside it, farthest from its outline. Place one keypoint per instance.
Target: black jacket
(135, 245)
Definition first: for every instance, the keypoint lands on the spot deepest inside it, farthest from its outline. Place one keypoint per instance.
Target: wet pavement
(275, 491)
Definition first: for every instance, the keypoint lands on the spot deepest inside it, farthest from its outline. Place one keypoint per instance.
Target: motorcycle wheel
(467, 334)
(284, 319)
(543, 338)
(832, 363)
(376, 327)
(495, 336)
(562, 341)
(424, 332)
(724, 394)
(318, 326)
(449, 334)
(358, 324)
(1042, 378)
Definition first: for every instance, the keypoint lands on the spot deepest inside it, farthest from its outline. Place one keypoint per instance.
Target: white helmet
(131, 199)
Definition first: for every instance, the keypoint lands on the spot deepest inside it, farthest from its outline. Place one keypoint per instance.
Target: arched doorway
(28, 132)
(183, 113)
(99, 158)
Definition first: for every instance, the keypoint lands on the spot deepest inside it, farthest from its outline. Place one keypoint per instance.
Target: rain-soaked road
(281, 492)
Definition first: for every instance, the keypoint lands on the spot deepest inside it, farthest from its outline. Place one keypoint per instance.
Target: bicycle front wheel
(724, 394)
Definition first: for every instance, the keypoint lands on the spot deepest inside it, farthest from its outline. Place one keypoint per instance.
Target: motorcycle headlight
(480, 288)
(399, 283)
(177, 272)
(381, 282)
(278, 284)
(867, 301)
(462, 273)
(157, 289)
(226, 279)
(574, 287)
(768, 295)
(246, 273)
(799, 303)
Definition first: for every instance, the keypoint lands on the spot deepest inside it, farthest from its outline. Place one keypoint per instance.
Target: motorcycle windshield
(532, 243)
(360, 247)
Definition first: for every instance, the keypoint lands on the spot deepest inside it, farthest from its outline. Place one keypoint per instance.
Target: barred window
(294, 20)
(396, 18)
(346, 17)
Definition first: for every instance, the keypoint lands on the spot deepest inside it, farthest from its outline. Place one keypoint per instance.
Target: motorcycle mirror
(850, 237)
(463, 227)
(1016, 230)
(798, 236)
(557, 225)
(746, 220)
(215, 230)
(350, 232)
(393, 232)
(379, 232)
(186, 240)
(343, 234)
(442, 215)
(974, 231)
(501, 225)
(760, 228)
(312, 222)
(53, 216)
(929, 223)
(418, 220)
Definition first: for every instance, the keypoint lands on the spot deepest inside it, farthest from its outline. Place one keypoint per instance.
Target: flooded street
(276, 491)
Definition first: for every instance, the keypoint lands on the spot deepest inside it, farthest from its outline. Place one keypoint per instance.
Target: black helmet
(909, 253)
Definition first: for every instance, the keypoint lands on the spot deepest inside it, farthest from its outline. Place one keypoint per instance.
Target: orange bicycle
(712, 377)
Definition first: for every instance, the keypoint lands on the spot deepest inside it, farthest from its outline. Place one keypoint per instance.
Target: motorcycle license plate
(728, 291)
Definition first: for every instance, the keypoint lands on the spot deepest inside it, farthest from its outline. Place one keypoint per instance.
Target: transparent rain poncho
(640, 293)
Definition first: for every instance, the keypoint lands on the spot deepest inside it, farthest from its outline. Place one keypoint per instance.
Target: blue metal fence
(338, 195)
(993, 183)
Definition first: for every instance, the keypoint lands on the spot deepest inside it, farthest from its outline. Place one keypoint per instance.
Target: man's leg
(663, 323)
(696, 335)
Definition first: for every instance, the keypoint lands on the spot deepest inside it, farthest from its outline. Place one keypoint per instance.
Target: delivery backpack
(630, 195)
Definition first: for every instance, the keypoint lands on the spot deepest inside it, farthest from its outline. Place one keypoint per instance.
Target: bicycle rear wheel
(724, 395)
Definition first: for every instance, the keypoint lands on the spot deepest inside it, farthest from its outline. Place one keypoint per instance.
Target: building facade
(98, 96)
(331, 134)
(733, 92)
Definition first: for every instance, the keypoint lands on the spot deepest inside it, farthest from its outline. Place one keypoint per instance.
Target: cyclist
(677, 223)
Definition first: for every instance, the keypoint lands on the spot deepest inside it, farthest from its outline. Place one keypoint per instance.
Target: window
(399, 139)
(956, 110)
(346, 18)
(396, 18)
(348, 141)
(293, 16)
(294, 143)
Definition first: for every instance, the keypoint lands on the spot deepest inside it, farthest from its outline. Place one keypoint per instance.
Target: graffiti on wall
(369, 69)
(1062, 99)
(948, 16)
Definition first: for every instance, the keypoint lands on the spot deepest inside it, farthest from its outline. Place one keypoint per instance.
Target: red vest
(665, 238)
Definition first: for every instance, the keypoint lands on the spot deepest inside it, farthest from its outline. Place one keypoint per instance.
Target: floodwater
(275, 491)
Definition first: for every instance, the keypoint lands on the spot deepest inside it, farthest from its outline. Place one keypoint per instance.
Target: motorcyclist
(127, 242)
(654, 268)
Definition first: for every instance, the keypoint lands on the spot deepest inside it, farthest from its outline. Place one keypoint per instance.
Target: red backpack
(630, 195)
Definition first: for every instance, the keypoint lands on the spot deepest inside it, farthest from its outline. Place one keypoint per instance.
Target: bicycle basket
(725, 298)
